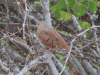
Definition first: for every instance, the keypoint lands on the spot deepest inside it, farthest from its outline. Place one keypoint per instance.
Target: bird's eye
(37, 23)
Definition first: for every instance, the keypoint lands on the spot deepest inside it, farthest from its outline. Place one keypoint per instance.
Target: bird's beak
(35, 27)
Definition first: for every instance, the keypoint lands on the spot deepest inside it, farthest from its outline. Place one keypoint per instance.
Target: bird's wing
(50, 38)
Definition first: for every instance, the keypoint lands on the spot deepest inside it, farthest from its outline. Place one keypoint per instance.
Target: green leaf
(85, 9)
(82, 9)
(85, 3)
(96, 65)
(87, 34)
(18, 53)
(67, 7)
(57, 14)
(52, 8)
(90, 0)
(86, 25)
(65, 15)
(98, 3)
(71, 2)
(4, 43)
(92, 6)
(78, 10)
(75, 8)
(37, 3)
(59, 5)
(64, 32)
(51, 0)
(5, 5)
(81, 0)
(80, 22)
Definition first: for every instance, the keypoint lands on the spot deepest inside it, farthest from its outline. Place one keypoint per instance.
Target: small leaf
(52, 8)
(65, 15)
(92, 6)
(81, 0)
(78, 10)
(80, 22)
(85, 3)
(5, 5)
(4, 43)
(57, 14)
(59, 5)
(75, 8)
(71, 2)
(86, 25)
(96, 65)
(64, 32)
(51, 0)
(81, 8)
(85, 9)
(18, 53)
(37, 3)
(98, 3)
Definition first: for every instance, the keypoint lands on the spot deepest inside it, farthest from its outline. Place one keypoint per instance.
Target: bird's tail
(68, 48)
(73, 52)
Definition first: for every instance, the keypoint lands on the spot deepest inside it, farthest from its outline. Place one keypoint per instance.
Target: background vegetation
(77, 21)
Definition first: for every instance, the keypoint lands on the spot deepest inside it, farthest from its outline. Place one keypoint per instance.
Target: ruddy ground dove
(50, 38)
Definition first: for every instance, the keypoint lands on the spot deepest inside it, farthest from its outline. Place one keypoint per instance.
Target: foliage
(4, 43)
(79, 8)
(64, 15)
(85, 25)
(37, 3)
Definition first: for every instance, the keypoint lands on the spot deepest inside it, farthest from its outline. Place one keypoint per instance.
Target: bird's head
(39, 24)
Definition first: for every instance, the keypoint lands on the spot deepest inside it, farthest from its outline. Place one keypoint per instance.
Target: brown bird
(50, 38)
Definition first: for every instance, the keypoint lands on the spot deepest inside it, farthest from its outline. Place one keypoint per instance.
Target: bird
(50, 38)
